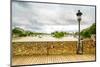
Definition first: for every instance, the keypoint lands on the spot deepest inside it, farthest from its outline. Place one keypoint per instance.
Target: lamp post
(79, 46)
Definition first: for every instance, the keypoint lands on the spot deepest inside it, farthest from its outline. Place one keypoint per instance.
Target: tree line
(19, 32)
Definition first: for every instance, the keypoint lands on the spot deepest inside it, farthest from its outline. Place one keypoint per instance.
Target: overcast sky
(43, 17)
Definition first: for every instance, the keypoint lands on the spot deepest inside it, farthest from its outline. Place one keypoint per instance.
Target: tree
(89, 31)
(18, 32)
(58, 34)
(93, 29)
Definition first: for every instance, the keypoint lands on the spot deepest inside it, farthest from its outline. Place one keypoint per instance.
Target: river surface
(45, 38)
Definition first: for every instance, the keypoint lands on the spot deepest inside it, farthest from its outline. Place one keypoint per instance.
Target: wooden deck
(44, 59)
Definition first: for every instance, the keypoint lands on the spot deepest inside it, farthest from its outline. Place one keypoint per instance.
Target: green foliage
(19, 32)
(85, 33)
(89, 31)
(93, 29)
(58, 34)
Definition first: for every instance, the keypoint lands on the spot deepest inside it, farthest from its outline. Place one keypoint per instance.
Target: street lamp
(79, 46)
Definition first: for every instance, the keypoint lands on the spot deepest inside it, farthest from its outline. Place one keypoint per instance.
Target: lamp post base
(80, 53)
(80, 48)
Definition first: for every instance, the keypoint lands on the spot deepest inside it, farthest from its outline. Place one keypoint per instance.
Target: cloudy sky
(43, 17)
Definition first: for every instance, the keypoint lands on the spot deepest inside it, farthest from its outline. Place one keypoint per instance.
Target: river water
(45, 38)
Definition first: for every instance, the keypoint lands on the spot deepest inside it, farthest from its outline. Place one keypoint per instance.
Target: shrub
(58, 34)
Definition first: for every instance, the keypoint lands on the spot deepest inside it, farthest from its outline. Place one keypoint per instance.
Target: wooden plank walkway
(44, 59)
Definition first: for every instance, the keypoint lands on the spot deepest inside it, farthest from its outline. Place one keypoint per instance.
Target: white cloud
(42, 17)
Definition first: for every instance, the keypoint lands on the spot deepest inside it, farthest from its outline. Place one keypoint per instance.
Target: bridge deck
(44, 59)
